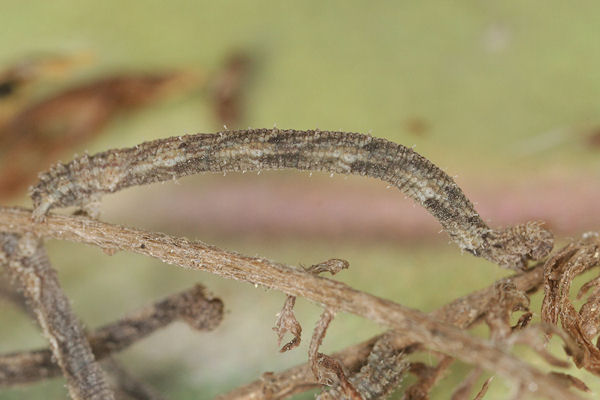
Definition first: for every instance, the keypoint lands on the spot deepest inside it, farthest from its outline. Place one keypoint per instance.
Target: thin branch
(464, 389)
(128, 385)
(26, 259)
(427, 376)
(417, 326)
(193, 305)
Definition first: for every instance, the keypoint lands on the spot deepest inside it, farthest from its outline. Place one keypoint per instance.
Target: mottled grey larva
(86, 178)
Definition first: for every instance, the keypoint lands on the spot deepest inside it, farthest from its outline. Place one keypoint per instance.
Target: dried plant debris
(463, 391)
(484, 388)
(559, 272)
(195, 306)
(326, 369)
(87, 178)
(570, 381)
(508, 300)
(30, 69)
(287, 322)
(427, 378)
(382, 373)
(462, 313)
(533, 337)
(25, 259)
(41, 132)
(416, 327)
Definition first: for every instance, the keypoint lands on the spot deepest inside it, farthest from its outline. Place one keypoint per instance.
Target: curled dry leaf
(559, 272)
(287, 322)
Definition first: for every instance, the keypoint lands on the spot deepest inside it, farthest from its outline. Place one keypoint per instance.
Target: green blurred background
(503, 93)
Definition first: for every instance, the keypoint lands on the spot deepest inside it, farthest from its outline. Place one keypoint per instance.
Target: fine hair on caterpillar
(87, 178)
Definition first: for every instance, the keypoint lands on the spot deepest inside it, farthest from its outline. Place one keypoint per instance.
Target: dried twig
(129, 386)
(560, 270)
(415, 325)
(326, 369)
(26, 260)
(428, 377)
(484, 388)
(569, 380)
(462, 313)
(287, 322)
(463, 391)
(193, 305)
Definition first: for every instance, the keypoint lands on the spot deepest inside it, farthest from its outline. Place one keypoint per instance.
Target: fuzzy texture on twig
(330, 294)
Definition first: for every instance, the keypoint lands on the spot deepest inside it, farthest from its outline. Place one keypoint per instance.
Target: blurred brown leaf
(38, 134)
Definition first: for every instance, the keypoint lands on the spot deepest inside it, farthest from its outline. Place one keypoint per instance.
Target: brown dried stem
(128, 385)
(26, 259)
(193, 305)
(462, 313)
(559, 272)
(428, 377)
(415, 325)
